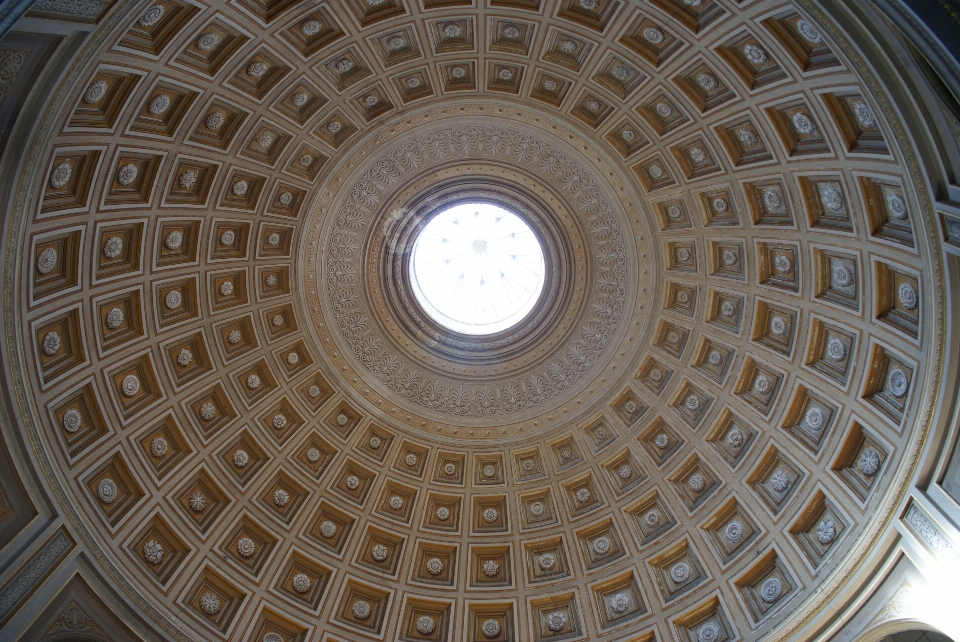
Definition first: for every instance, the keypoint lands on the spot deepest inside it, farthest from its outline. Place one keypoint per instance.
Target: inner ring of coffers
(557, 299)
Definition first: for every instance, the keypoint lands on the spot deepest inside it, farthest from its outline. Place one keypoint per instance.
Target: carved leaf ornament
(344, 267)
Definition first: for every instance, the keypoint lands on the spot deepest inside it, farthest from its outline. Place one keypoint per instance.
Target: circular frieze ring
(406, 416)
(328, 202)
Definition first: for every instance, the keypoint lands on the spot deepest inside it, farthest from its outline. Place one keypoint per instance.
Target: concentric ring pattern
(712, 409)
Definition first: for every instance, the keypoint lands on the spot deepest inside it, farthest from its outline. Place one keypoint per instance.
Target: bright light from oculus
(477, 268)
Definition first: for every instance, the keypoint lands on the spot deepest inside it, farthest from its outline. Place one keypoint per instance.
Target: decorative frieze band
(930, 533)
(32, 574)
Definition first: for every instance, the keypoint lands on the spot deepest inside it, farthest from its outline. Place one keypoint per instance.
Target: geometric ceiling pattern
(708, 412)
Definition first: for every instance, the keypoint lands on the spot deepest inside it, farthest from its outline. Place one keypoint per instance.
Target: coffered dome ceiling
(696, 433)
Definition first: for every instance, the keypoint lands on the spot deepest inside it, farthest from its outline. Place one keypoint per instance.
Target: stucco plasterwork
(649, 403)
(927, 531)
(900, 606)
(359, 210)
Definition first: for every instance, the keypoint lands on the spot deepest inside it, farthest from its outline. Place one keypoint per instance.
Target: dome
(504, 320)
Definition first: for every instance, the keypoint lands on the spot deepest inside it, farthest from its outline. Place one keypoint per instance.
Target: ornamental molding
(356, 220)
(924, 528)
(32, 574)
(900, 606)
(75, 621)
(10, 63)
(88, 9)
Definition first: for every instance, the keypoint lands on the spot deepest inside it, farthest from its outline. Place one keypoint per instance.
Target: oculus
(477, 268)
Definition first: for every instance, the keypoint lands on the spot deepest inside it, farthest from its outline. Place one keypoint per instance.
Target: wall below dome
(53, 580)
